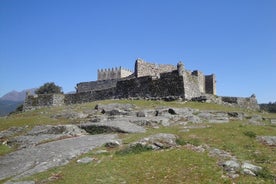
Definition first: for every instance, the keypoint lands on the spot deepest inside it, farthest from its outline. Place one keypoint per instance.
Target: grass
(4, 149)
(178, 165)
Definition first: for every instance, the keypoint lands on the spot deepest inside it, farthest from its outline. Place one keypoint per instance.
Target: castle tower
(113, 73)
(210, 84)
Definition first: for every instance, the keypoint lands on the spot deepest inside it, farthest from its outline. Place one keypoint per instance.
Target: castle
(152, 80)
(148, 81)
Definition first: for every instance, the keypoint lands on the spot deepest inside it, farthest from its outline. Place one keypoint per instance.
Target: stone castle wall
(247, 103)
(169, 84)
(149, 81)
(210, 84)
(113, 73)
(143, 68)
(96, 85)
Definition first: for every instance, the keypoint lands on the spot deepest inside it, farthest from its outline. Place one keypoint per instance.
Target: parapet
(113, 73)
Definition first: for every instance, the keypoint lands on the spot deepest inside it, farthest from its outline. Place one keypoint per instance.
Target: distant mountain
(10, 101)
(17, 96)
(7, 107)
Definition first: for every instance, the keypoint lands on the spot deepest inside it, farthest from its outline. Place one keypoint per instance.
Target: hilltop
(139, 141)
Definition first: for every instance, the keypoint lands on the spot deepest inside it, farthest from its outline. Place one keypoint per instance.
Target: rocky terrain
(42, 147)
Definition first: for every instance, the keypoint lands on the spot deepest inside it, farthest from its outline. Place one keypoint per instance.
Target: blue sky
(66, 41)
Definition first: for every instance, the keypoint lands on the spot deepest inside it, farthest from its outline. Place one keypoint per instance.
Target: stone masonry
(149, 81)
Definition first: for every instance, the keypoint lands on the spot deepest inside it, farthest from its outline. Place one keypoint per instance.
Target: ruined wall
(114, 73)
(44, 100)
(143, 68)
(210, 84)
(96, 85)
(247, 103)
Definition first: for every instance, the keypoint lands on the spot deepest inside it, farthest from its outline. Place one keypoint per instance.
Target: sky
(67, 41)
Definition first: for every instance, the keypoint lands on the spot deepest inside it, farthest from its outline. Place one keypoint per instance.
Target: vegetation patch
(134, 149)
(250, 134)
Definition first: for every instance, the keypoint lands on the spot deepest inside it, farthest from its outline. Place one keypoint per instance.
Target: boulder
(231, 165)
(159, 141)
(85, 160)
(113, 144)
(10, 132)
(268, 140)
(250, 169)
(256, 120)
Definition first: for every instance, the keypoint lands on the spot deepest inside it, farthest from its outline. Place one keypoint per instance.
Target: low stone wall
(247, 103)
(44, 100)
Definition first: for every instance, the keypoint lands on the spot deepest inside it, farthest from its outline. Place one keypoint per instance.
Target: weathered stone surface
(159, 141)
(27, 141)
(221, 154)
(268, 140)
(214, 117)
(256, 120)
(26, 162)
(235, 115)
(117, 106)
(10, 132)
(273, 121)
(199, 149)
(42, 134)
(141, 114)
(72, 130)
(250, 169)
(85, 160)
(231, 165)
(149, 121)
(111, 126)
(20, 182)
(194, 119)
(113, 144)
(70, 115)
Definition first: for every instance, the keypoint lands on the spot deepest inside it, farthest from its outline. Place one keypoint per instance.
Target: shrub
(49, 88)
(250, 134)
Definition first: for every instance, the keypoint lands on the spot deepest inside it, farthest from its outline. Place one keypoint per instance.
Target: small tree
(49, 88)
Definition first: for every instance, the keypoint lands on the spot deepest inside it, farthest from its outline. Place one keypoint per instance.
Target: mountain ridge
(10, 101)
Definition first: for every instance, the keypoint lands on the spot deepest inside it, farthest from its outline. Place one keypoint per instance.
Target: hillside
(121, 141)
(7, 106)
(10, 101)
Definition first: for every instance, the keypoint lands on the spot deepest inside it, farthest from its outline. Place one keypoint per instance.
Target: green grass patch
(250, 134)
(4, 149)
(170, 166)
(134, 149)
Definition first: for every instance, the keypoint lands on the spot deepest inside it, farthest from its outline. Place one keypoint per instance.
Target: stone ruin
(148, 81)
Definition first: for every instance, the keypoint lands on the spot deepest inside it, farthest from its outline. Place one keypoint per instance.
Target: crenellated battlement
(113, 73)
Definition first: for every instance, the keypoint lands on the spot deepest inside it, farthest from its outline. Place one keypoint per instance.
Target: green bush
(250, 134)
(49, 88)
